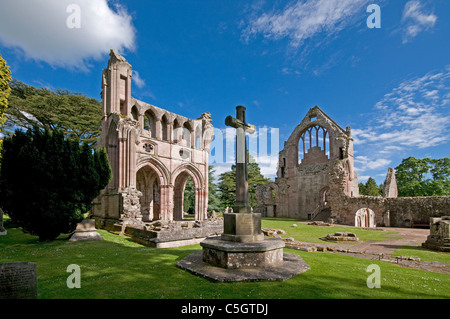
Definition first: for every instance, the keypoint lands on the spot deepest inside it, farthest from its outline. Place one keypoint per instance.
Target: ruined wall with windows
(313, 150)
(152, 153)
(316, 181)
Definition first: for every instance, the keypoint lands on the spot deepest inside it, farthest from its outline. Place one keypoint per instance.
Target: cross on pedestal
(242, 202)
(241, 225)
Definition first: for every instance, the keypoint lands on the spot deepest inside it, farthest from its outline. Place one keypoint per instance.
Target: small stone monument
(242, 253)
(439, 238)
(3, 231)
(18, 280)
(341, 237)
(86, 231)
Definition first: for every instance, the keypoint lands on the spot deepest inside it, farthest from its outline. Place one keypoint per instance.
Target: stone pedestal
(232, 255)
(86, 231)
(439, 238)
(242, 228)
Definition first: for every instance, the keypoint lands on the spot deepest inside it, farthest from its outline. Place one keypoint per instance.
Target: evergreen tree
(47, 182)
(213, 196)
(227, 184)
(189, 197)
(370, 188)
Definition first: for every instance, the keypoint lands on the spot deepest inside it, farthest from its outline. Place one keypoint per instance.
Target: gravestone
(3, 231)
(18, 280)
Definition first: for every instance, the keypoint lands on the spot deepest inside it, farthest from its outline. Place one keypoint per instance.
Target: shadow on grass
(118, 268)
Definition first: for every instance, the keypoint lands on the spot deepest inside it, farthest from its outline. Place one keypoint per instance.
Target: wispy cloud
(140, 82)
(414, 115)
(304, 20)
(416, 20)
(364, 163)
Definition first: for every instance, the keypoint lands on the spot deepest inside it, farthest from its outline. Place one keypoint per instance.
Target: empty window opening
(315, 137)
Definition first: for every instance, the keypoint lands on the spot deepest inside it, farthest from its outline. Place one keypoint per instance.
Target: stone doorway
(365, 217)
(179, 196)
(147, 183)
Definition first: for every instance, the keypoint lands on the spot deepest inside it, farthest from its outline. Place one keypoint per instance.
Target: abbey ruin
(316, 181)
(152, 153)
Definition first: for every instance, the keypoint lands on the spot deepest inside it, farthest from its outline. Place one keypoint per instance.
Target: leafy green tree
(227, 184)
(48, 182)
(189, 197)
(370, 188)
(76, 115)
(423, 177)
(213, 196)
(5, 78)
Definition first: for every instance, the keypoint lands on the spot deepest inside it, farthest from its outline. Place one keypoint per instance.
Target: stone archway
(365, 217)
(147, 182)
(178, 195)
(181, 175)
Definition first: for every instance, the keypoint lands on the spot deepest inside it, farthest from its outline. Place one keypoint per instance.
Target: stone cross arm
(239, 122)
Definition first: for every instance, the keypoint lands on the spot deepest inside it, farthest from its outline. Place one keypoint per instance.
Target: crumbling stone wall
(412, 211)
(324, 186)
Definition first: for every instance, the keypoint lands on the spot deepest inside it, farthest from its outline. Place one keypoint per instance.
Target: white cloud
(39, 30)
(364, 163)
(415, 20)
(140, 83)
(268, 165)
(413, 115)
(303, 20)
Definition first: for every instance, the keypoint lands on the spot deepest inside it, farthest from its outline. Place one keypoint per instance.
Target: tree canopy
(370, 188)
(227, 184)
(76, 115)
(423, 177)
(213, 197)
(47, 182)
(5, 78)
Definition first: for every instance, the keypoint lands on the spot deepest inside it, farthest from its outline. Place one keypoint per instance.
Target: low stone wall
(412, 211)
(164, 234)
(394, 212)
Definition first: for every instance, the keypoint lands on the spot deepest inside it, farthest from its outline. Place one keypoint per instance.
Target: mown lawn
(312, 234)
(118, 268)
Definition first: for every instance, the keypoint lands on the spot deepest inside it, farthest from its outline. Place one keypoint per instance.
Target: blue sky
(277, 58)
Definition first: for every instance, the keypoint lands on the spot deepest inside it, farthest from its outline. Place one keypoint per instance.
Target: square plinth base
(234, 255)
(292, 265)
(242, 227)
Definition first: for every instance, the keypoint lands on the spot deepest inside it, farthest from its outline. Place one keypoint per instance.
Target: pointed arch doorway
(147, 182)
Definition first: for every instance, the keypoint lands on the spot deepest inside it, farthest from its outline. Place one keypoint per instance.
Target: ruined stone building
(316, 181)
(152, 153)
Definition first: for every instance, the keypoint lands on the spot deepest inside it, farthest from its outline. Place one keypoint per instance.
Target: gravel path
(380, 250)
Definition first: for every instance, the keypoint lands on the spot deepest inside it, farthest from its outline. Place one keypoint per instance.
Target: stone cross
(242, 202)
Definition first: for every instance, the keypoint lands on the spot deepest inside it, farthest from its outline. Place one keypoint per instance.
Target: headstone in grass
(18, 280)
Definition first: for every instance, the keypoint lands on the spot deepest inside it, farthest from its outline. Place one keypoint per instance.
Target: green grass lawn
(120, 268)
(312, 234)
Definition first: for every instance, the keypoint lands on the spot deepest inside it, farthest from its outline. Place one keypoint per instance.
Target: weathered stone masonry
(152, 153)
(316, 181)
